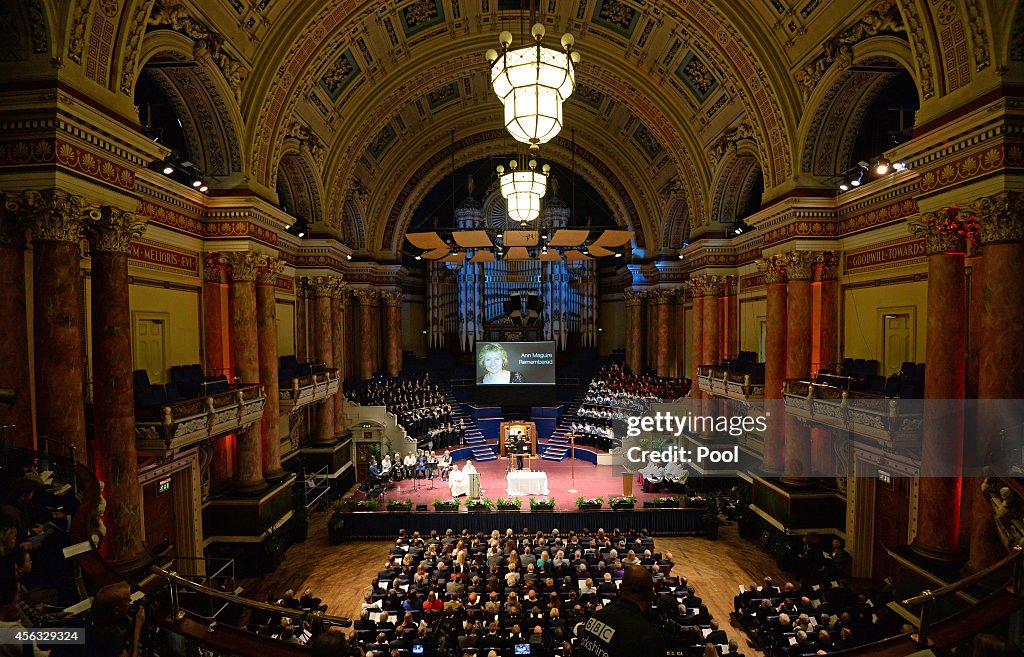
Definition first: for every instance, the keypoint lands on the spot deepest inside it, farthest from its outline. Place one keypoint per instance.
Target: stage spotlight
(899, 166)
(618, 255)
(288, 227)
(302, 233)
(419, 258)
(197, 183)
(844, 186)
(204, 188)
(882, 166)
(168, 170)
(348, 256)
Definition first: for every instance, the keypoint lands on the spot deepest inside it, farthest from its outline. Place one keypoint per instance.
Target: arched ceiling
(381, 84)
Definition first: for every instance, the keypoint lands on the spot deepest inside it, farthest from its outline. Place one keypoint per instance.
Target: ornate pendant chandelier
(532, 83)
(523, 190)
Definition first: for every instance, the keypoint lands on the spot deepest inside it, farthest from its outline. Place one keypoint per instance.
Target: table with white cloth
(523, 482)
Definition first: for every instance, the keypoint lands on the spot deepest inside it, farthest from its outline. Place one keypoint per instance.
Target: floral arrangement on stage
(509, 503)
(482, 504)
(664, 503)
(542, 505)
(363, 505)
(446, 505)
(589, 502)
(622, 502)
(400, 505)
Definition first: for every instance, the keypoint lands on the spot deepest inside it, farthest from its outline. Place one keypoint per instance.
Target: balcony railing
(731, 385)
(894, 422)
(172, 427)
(309, 389)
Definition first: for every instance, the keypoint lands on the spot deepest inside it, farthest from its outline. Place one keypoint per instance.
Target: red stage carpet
(591, 480)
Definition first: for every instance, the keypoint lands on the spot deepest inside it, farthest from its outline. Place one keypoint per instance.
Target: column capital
(800, 264)
(114, 229)
(268, 271)
(943, 231)
(633, 297)
(340, 290)
(774, 268)
(245, 265)
(366, 296)
(215, 267)
(828, 266)
(1001, 217)
(13, 225)
(392, 297)
(56, 215)
(323, 286)
(705, 285)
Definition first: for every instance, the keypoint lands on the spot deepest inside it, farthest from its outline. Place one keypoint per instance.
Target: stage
(591, 481)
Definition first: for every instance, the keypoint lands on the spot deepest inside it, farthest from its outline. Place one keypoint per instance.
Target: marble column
(1001, 354)
(711, 352)
(634, 329)
(774, 270)
(799, 310)
(324, 288)
(266, 329)
(245, 267)
(215, 314)
(113, 406)
(338, 334)
(697, 336)
(938, 520)
(822, 457)
(662, 329)
(679, 333)
(57, 318)
(301, 321)
(14, 351)
(730, 317)
(393, 332)
(367, 299)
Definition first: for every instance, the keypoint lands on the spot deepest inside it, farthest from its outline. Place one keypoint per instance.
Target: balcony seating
(300, 384)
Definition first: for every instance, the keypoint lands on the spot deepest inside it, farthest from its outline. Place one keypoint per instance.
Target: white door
(150, 346)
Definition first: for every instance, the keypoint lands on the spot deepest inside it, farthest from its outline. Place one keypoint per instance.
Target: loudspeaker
(421, 507)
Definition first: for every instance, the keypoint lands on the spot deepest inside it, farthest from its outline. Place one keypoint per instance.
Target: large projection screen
(507, 363)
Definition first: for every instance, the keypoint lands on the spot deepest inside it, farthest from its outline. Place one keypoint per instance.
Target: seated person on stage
(374, 470)
(445, 464)
(385, 466)
(409, 462)
(469, 468)
(421, 466)
(458, 482)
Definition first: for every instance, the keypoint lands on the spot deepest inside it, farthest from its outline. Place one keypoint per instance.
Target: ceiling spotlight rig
(863, 172)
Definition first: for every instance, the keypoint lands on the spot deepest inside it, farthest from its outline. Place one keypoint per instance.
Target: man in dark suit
(520, 447)
(734, 650)
(716, 636)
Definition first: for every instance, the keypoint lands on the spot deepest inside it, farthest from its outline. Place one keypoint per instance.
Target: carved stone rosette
(1001, 217)
(800, 265)
(705, 285)
(268, 272)
(943, 231)
(245, 265)
(114, 229)
(57, 216)
(392, 297)
(773, 268)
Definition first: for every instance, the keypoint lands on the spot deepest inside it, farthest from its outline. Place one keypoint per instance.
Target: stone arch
(842, 98)
(202, 100)
(25, 31)
(300, 183)
(677, 225)
(474, 147)
(737, 176)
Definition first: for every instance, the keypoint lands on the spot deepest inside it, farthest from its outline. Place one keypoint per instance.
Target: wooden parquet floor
(341, 574)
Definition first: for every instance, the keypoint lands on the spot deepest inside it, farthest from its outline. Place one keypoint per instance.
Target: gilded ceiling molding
(920, 45)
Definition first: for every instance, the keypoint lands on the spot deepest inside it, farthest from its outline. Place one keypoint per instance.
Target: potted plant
(399, 505)
(622, 502)
(446, 506)
(509, 504)
(480, 505)
(542, 505)
(589, 503)
(336, 523)
(710, 521)
(363, 505)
